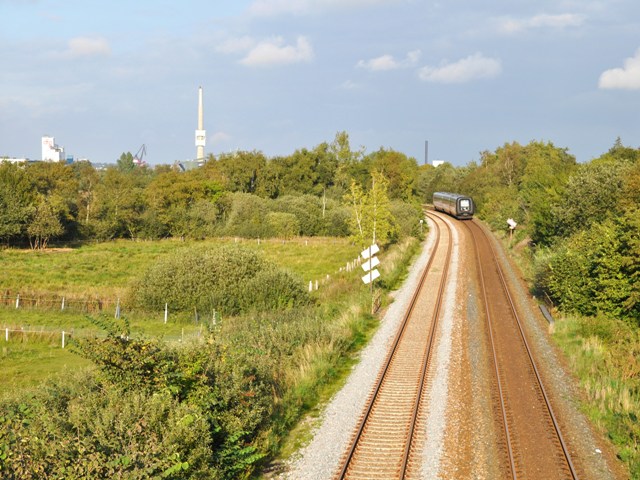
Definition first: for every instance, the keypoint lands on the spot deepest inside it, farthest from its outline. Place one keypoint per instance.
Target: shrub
(223, 279)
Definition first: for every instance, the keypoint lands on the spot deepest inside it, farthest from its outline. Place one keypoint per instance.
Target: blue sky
(105, 77)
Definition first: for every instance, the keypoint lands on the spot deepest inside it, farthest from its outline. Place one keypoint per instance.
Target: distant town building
(14, 160)
(50, 151)
(437, 163)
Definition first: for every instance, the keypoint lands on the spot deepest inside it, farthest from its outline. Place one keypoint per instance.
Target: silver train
(454, 204)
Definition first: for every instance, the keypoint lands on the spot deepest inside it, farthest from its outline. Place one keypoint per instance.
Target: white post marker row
(371, 263)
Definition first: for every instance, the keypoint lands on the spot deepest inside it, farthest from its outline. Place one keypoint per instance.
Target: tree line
(242, 193)
(578, 223)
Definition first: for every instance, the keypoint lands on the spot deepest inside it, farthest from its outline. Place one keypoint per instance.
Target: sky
(466, 76)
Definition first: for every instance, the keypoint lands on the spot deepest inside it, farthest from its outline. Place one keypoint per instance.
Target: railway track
(382, 444)
(533, 444)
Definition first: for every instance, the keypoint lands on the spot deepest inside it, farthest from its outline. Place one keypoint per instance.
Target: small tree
(371, 219)
(45, 224)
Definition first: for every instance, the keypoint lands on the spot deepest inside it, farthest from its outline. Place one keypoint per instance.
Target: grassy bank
(254, 377)
(604, 354)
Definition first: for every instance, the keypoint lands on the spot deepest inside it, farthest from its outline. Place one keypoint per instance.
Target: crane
(138, 157)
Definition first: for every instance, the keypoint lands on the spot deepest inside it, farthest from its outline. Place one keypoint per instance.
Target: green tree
(88, 179)
(16, 200)
(119, 205)
(125, 162)
(591, 196)
(400, 171)
(240, 170)
(57, 183)
(371, 221)
(44, 225)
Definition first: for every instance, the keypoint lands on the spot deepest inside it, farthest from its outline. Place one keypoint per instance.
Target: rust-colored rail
(381, 445)
(534, 443)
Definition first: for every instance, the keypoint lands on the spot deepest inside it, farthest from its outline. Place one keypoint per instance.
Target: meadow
(107, 271)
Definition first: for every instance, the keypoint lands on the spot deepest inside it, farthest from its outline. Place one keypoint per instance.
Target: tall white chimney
(201, 134)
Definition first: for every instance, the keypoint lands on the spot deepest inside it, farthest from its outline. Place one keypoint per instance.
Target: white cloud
(627, 77)
(274, 52)
(388, 62)
(564, 20)
(298, 7)
(88, 47)
(473, 67)
(235, 45)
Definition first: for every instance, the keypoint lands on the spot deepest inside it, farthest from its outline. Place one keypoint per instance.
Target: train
(456, 205)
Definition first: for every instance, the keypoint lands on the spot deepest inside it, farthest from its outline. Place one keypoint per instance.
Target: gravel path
(321, 457)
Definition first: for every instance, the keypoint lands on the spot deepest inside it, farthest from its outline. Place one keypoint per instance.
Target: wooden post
(18, 301)
(166, 312)
(6, 334)
(63, 333)
(62, 307)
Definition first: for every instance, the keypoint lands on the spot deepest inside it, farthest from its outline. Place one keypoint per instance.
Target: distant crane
(138, 157)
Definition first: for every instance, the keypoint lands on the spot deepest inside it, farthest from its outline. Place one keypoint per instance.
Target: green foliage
(400, 172)
(246, 216)
(590, 197)
(44, 225)
(283, 225)
(87, 430)
(371, 220)
(596, 270)
(604, 353)
(15, 201)
(223, 279)
(406, 219)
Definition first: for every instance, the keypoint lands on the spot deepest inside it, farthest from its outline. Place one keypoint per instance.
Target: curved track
(533, 444)
(382, 444)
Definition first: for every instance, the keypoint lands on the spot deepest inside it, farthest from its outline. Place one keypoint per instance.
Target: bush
(229, 280)
(406, 218)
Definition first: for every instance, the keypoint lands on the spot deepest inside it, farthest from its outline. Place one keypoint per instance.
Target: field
(106, 271)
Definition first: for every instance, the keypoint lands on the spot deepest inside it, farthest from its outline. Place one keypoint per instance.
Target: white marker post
(370, 267)
(512, 226)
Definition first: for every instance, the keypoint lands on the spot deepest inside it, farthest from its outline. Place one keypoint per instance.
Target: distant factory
(52, 152)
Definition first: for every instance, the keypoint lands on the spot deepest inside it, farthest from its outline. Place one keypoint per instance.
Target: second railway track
(533, 444)
(382, 444)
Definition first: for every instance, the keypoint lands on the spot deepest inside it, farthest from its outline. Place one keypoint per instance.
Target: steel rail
(547, 402)
(342, 474)
(528, 351)
(501, 392)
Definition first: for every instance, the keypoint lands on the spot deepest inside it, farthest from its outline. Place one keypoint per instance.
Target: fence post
(166, 312)
(6, 334)
(18, 301)
(62, 307)
(118, 310)
(63, 332)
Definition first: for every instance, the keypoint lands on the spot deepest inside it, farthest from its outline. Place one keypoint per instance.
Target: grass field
(106, 271)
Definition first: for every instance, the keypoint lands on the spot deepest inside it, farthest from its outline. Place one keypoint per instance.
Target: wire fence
(37, 301)
(22, 335)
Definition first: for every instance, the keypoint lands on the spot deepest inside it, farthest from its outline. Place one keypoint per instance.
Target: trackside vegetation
(223, 404)
(214, 408)
(220, 404)
(578, 237)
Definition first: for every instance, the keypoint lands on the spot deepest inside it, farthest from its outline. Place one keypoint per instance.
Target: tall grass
(105, 270)
(604, 353)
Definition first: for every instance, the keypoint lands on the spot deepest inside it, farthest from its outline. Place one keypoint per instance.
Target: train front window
(464, 204)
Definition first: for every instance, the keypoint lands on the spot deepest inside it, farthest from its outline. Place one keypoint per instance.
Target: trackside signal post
(369, 266)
